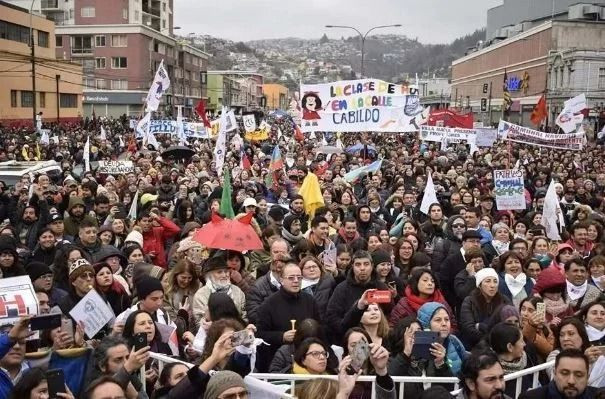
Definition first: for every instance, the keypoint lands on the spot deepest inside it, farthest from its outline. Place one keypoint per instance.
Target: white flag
(44, 140)
(180, 129)
(132, 214)
(571, 115)
(143, 125)
(103, 135)
(279, 133)
(87, 155)
(151, 140)
(121, 142)
(161, 83)
(249, 123)
(221, 144)
(339, 142)
(552, 213)
(430, 196)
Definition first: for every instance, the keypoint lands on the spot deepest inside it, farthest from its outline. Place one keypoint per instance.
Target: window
(101, 84)
(100, 41)
(87, 12)
(27, 99)
(42, 100)
(119, 84)
(14, 32)
(161, 48)
(601, 78)
(204, 77)
(100, 63)
(125, 13)
(14, 98)
(68, 100)
(59, 41)
(42, 39)
(89, 83)
(81, 45)
(119, 41)
(119, 62)
(164, 23)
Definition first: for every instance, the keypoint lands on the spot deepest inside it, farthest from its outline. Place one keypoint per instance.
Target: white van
(11, 171)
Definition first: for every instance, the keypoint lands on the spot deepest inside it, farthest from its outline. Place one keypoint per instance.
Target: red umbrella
(236, 235)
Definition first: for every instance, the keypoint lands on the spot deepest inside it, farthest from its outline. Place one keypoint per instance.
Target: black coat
(256, 296)
(451, 266)
(474, 321)
(321, 292)
(543, 393)
(401, 365)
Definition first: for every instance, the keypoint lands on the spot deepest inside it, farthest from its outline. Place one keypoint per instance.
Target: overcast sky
(432, 21)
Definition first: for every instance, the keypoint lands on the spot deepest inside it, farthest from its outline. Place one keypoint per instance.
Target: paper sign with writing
(509, 189)
(520, 134)
(93, 311)
(115, 167)
(17, 298)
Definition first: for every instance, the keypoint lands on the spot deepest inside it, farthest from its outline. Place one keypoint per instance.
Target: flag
(44, 139)
(539, 112)
(601, 134)
(200, 108)
(221, 143)
(298, 134)
(180, 129)
(226, 208)
(150, 140)
(339, 142)
(249, 123)
(25, 153)
(143, 125)
(430, 196)
(551, 213)
(244, 162)
(506, 98)
(121, 142)
(571, 115)
(311, 193)
(38, 153)
(161, 83)
(103, 135)
(355, 173)
(132, 213)
(86, 155)
(276, 164)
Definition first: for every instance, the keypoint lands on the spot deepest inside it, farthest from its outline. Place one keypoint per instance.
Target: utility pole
(33, 55)
(58, 77)
(489, 104)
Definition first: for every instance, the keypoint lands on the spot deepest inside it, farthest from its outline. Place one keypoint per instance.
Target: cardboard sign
(17, 299)
(115, 167)
(509, 189)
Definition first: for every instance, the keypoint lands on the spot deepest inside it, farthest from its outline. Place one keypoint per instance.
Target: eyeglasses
(47, 276)
(242, 394)
(294, 278)
(318, 354)
(87, 275)
(458, 226)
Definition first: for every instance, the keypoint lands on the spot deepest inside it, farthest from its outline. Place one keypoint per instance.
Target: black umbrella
(178, 152)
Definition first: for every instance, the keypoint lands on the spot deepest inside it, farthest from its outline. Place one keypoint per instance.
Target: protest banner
(509, 189)
(520, 134)
(452, 134)
(115, 167)
(166, 126)
(249, 123)
(17, 298)
(361, 105)
(486, 137)
(93, 311)
(259, 135)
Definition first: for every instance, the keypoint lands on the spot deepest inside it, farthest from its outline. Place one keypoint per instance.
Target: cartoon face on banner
(249, 123)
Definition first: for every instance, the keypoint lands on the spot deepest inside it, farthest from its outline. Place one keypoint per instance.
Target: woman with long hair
(534, 327)
(181, 284)
(114, 292)
(311, 357)
(403, 250)
(317, 282)
(66, 254)
(593, 316)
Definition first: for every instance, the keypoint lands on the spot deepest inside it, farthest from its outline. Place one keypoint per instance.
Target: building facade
(277, 96)
(560, 58)
(239, 90)
(58, 83)
(120, 44)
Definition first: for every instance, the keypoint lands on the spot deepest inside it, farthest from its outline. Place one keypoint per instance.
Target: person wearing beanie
(114, 292)
(297, 208)
(217, 276)
(150, 294)
(10, 264)
(81, 281)
(42, 280)
(225, 383)
(383, 264)
(156, 230)
(291, 229)
(478, 308)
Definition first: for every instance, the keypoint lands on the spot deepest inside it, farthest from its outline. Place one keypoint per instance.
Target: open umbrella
(178, 152)
(236, 235)
(360, 147)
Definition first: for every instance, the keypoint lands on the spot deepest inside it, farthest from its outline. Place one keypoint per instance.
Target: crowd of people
(498, 295)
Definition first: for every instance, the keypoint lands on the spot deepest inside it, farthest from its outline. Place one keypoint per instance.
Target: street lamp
(363, 36)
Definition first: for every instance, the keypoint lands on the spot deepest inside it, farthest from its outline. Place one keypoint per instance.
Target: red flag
(539, 112)
(200, 108)
(298, 134)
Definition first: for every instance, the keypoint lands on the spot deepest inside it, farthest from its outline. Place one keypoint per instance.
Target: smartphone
(45, 322)
(359, 355)
(67, 326)
(139, 341)
(379, 296)
(184, 299)
(541, 310)
(422, 343)
(243, 337)
(56, 383)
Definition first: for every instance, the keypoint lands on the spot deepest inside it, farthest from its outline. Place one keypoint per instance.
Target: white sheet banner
(166, 126)
(361, 105)
(509, 189)
(115, 167)
(520, 134)
(451, 134)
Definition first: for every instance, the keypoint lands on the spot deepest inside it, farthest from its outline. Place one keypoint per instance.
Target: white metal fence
(292, 379)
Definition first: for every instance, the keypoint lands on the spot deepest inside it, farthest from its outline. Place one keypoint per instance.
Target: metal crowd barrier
(292, 379)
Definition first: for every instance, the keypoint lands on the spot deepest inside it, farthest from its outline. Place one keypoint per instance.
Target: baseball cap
(145, 198)
(250, 202)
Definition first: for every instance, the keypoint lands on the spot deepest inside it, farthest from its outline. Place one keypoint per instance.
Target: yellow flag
(311, 193)
(24, 153)
(38, 155)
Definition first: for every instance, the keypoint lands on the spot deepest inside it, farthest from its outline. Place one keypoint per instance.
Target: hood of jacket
(73, 201)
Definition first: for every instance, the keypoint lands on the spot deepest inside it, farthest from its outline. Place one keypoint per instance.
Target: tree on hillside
(324, 39)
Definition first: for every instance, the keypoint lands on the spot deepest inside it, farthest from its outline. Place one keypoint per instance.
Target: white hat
(136, 237)
(250, 202)
(485, 273)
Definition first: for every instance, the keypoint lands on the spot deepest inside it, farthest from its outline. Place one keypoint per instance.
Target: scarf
(515, 284)
(518, 365)
(416, 301)
(555, 308)
(500, 247)
(291, 237)
(594, 334)
(576, 292)
(308, 283)
(599, 282)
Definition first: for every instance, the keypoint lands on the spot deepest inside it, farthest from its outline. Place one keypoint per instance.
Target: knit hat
(146, 285)
(8, 244)
(101, 265)
(146, 198)
(136, 237)
(186, 244)
(426, 313)
(217, 262)
(37, 270)
(507, 311)
(288, 220)
(485, 273)
(380, 256)
(221, 381)
(79, 267)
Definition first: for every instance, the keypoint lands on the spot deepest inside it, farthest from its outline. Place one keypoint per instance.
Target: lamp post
(363, 37)
(33, 55)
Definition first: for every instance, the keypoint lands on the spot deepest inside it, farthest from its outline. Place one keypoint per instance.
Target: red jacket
(154, 240)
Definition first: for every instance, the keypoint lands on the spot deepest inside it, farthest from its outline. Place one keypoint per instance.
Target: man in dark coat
(348, 301)
(278, 315)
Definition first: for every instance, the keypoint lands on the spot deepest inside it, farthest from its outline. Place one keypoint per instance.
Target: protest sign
(249, 123)
(519, 134)
(509, 189)
(166, 126)
(451, 134)
(361, 105)
(258, 135)
(115, 167)
(486, 137)
(17, 298)
(93, 311)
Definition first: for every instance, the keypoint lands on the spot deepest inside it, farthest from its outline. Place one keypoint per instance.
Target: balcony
(49, 5)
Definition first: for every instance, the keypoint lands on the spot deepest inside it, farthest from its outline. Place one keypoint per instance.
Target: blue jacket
(6, 384)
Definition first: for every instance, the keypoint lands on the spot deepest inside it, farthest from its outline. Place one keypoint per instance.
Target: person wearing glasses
(311, 357)
(279, 314)
(450, 243)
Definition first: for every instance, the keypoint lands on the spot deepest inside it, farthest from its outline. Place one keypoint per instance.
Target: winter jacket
(504, 290)
(254, 299)
(403, 309)
(154, 240)
(452, 265)
(31, 237)
(93, 251)
(72, 223)
(550, 392)
(473, 321)
(463, 285)
(321, 292)
(199, 305)
(401, 365)
(6, 384)
(445, 246)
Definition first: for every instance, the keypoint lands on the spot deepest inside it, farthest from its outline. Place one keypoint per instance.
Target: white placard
(93, 311)
(17, 299)
(115, 167)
